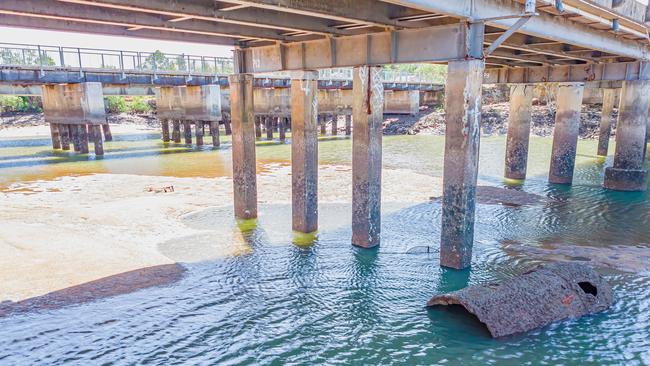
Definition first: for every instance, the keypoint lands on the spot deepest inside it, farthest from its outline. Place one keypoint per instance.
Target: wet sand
(65, 232)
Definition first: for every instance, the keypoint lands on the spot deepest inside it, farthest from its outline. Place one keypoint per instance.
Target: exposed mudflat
(494, 121)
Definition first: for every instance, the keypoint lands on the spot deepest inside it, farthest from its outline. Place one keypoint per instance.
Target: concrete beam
(569, 73)
(439, 43)
(209, 11)
(91, 15)
(543, 25)
(369, 12)
(11, 20)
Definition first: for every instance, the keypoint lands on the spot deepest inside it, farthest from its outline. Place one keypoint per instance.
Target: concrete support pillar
(269, 127)
(165, 130)
(97, 139)
(226, 125)
(322, 120)
(176, 131)
(198, 126)
(628, 173)
(304, 151)
(258, 127)
(108, 135)
(462, 139)
(565, 133)
(368, 110)
(187, 131)
(83, 138)
(243, 145)
(214, 131)
(609, 98)
(56, 138)
(64, 132)
(335, 127)
(75, 136)
(521, 106)
(348, 125)
(282, 127)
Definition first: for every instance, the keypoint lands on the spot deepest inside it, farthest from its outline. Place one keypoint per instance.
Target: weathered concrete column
(56, 137)
(521, 105)
(243, 145)
(258, 127)
(323, 124)
(83, 138)
(64, 132)
(368, 110)
(214, 131)
(176, 131)
(165, 130)
(269, 127)
(335, 127)
(348, 125)
(97, 139)
(462, 139)
(282, 127)
(108, 136)
(565, 133)
(609, 98)
(226, 125)
(304, 151)
(198, 127)
(75, 135)
(187, 130)
(628, 173)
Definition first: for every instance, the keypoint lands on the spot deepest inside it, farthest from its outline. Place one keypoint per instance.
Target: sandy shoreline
(90, 227)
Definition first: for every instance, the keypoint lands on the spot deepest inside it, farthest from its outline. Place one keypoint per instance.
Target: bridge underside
(495, 41)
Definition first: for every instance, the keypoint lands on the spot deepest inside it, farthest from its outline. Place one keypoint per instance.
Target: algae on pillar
(609, 99)
(521, 104)
(462, 137)
(243, 145)
(368, 111)
(628, 173)
(304, 151)
(565, 133)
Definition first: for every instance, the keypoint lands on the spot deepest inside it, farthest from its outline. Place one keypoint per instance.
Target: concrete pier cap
(80, 103)
(189, 103)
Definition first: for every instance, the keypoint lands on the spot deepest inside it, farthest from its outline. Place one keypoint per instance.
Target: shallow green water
(332, 303)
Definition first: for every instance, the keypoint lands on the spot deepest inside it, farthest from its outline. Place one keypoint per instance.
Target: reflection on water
(321, 300)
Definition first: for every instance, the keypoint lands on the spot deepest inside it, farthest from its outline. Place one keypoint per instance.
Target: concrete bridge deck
(482, 41)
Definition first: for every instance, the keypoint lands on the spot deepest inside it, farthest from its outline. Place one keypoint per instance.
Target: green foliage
(12, 103)
(158, 61)
(139, 105)
(120, 104)
(115, 104)
(428, 72)
(24, 57)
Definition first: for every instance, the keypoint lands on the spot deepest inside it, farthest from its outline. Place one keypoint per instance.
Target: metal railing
(84, 59)
(94, 59)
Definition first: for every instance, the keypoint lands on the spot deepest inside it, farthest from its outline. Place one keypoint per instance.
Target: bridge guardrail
(96, 59)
